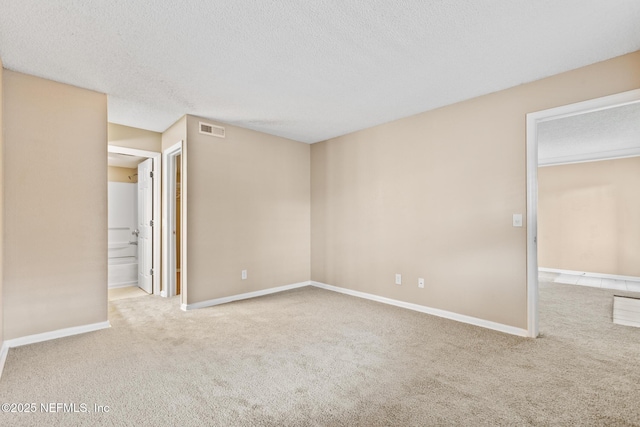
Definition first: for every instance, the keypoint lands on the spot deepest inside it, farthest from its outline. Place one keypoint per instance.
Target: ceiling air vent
(212, 130)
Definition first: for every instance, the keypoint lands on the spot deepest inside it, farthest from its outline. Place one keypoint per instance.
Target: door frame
(169, 157)
(157, 171)
(533, 119)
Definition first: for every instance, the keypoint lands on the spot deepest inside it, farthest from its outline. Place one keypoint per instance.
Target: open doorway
(134, 229)
(174, 251)
(535, 123)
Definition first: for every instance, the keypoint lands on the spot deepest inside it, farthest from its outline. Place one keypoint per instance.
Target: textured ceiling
(610, 133)
(305, 70)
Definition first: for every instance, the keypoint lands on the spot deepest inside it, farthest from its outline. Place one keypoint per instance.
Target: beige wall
(247, 208)
(588, 217)
(433, 196)
(140, 139)
(56, 224)
(175, 133)
(118, 174)
(1, 208)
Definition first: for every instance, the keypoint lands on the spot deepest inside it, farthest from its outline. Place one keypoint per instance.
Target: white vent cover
(626, 310)
(212, 130)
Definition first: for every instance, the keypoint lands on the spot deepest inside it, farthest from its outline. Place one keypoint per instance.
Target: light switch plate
(517, 220)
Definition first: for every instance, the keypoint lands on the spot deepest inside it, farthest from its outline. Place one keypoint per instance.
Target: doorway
(533, 122)
(125, 236)
(174, 210)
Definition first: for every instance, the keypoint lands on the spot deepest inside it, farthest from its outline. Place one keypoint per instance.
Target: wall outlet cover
(517, 220)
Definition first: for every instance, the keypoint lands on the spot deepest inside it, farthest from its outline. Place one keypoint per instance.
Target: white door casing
(145, 227)
(169, 159)
(533, 119)
(157, 170)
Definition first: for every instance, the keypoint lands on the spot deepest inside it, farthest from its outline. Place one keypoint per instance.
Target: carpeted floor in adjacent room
(314, 357)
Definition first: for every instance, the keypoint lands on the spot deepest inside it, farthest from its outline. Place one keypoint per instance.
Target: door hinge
(151, 174)
(151, 223)
(151, 272)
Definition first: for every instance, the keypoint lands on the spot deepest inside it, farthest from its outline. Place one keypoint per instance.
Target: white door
(145, 226)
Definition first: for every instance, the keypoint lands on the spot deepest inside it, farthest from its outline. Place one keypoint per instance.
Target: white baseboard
(60, 333)
(224, 300)
(589, 274)
(46, 336)
(428, 310)
(4, 351)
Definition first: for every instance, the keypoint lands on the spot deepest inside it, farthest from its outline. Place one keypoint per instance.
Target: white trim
(533, 119)
(224, 300)
(52, 335)
(157, 172)
(590, 274)
(428, 310)
(532, 226)
(168, 221)
(4, 352)
(589, 157)
(183, 223)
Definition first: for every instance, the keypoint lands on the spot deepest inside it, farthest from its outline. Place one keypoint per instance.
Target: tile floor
(595, 282)
(126, 292)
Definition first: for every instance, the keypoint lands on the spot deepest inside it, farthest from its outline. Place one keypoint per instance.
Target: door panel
(145, 218)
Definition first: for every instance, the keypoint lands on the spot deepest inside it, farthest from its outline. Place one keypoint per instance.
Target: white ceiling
(305, 70)
(604, 134)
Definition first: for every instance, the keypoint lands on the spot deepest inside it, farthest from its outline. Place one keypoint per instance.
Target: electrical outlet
(398, 279)
(244, 274)
(421, 282)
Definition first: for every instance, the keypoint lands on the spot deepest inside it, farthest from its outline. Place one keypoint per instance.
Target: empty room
(354, 213)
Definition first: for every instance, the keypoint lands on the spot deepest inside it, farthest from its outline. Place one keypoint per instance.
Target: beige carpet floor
(314, 357)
